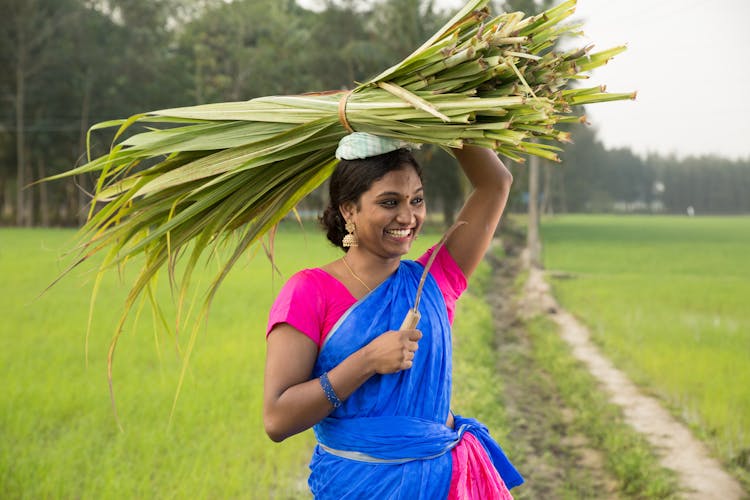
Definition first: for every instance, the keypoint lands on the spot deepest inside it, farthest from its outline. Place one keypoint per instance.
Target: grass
(567, 437)
(666, 298)
(627, 454)
(56, 425)
(59, 437)
(477, 385)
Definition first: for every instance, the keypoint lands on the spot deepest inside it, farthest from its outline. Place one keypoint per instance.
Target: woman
(378, 397)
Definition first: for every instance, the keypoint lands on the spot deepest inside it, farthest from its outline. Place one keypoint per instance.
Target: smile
(398, 233)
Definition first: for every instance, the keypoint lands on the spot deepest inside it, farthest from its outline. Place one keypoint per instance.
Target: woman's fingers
(411, 338)
(408, 360)
(411, 345)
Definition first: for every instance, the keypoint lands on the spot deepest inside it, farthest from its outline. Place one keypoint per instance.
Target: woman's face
(390, 213)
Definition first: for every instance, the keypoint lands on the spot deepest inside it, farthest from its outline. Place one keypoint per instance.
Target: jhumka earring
(350, 240)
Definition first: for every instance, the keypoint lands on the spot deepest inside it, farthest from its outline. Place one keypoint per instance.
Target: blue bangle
(328, 389)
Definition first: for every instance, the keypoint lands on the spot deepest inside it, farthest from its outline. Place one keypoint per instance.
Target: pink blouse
(312, 301)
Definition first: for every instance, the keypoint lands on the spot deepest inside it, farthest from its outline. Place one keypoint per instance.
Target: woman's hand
(393, 351)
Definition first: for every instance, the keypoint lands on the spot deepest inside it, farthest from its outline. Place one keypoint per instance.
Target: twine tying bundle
(342, 111)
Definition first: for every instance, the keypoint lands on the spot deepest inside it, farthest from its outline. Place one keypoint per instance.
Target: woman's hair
(352, 178)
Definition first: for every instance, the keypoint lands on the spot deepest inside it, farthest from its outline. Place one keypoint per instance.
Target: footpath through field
(699, 474)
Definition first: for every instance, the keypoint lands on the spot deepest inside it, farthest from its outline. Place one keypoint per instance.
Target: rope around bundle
(342, 111)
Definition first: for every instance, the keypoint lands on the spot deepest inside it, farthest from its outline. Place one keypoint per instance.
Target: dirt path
(558, 460)
(700, 475)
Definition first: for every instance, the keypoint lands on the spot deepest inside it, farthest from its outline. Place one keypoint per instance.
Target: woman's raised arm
(491, 182)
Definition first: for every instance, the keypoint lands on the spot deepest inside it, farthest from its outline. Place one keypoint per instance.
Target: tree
(28, 34)
(247, 48)
(343, 50)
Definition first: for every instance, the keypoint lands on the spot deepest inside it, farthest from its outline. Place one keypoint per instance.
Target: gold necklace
(355, 276)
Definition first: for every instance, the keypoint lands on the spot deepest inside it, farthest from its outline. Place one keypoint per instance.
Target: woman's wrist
(350, 374)
(329, 391)
(366, 361)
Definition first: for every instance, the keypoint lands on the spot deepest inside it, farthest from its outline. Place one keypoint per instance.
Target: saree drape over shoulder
(389, 438)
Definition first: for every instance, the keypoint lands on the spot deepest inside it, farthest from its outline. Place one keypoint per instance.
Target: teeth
(401, 233)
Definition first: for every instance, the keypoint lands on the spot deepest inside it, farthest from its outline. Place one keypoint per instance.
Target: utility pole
(533, 242)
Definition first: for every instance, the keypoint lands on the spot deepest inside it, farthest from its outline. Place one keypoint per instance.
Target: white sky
(689, 61)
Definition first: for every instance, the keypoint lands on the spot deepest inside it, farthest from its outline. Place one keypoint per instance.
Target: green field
(667, 299)
(59, 437)
(664, 296)
(58, 434)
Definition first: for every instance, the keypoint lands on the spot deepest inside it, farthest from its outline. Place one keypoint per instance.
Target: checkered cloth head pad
(360, 145)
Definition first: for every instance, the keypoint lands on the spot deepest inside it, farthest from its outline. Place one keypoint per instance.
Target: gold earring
(350, 240)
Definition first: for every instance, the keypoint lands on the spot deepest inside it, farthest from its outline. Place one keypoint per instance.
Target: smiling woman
(385, 189)
(338, 360)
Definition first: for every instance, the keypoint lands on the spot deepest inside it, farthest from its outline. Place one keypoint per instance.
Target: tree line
(592, 178)
(69, 64)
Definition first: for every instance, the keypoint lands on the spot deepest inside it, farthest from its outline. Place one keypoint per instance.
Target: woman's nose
(406, 215)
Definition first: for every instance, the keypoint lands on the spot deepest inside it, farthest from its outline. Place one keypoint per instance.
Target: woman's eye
(417, 201)
(389, 203)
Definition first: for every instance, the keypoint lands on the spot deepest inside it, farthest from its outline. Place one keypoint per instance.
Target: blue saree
(389, 439)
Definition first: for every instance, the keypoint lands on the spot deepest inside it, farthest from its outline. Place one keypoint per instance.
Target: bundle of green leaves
(188, 179)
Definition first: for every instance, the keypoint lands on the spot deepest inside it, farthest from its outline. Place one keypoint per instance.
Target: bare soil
(556, 457)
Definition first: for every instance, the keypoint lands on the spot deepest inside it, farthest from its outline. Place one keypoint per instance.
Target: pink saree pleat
(473, 476)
